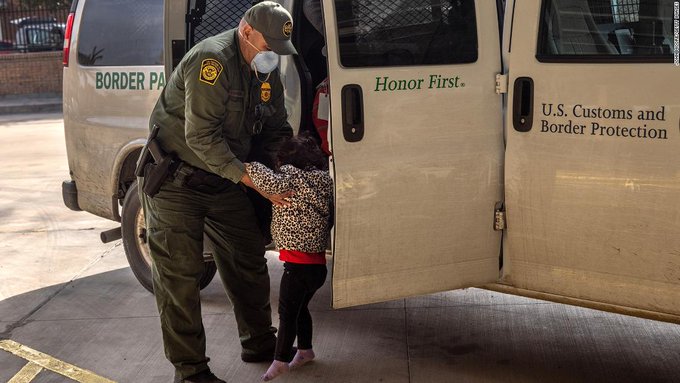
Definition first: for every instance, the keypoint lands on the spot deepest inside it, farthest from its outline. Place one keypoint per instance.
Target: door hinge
(499, 223)
(501, 83)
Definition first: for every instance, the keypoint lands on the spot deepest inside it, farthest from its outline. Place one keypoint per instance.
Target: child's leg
(316, 277)
(304, 353)
(291, 298)
(304, 324)
(291, 295)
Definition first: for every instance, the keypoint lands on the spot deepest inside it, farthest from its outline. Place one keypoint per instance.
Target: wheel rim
(143, 246)
(140, 235)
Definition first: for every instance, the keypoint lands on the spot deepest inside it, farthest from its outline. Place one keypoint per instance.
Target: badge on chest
(265, 92)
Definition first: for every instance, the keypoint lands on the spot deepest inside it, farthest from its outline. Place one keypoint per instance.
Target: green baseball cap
(275, 23)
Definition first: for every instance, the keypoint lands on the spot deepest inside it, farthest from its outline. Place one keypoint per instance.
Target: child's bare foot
(301, 357)
(277, 368)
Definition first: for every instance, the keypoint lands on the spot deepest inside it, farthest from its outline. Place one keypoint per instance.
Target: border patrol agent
(222, 106)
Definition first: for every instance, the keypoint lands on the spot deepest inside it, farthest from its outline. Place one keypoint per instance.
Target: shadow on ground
(108, 323)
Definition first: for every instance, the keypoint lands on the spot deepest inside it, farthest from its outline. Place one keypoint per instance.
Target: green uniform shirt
(207, 109)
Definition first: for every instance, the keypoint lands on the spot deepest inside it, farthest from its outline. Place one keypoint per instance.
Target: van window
(608, 30)
(406, 32)
(219, 16)
(121, 33)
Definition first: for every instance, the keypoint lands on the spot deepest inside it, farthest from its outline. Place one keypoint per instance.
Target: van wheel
(136, 248)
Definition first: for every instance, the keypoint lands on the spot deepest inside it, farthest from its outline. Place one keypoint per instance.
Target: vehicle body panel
(592, 216)
(415, 197)
(104, 123)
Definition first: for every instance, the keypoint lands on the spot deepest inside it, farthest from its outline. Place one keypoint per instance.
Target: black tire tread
(140, 269)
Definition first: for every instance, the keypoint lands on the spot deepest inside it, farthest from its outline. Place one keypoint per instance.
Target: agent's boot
(202, 377)
(265, 356)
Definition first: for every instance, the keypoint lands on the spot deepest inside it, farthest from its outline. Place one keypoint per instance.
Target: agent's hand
(246, 180)
(276, 199)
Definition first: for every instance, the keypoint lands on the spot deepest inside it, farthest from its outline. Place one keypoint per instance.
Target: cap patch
(287, 28)
(210, 71)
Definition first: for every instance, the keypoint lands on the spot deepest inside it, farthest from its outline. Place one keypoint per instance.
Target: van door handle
(523, 104)
(352, 113)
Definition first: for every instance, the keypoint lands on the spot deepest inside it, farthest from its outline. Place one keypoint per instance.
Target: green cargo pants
(176, 219)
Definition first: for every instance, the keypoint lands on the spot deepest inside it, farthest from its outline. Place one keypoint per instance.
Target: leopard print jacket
(305, 225)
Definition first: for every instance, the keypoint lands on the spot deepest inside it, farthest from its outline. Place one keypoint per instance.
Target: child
(301, 233)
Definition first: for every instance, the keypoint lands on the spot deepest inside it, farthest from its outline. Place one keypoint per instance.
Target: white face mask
(264, 61)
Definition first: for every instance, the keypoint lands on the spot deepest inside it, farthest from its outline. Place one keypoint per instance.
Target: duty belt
(156, 167)
(199, 180)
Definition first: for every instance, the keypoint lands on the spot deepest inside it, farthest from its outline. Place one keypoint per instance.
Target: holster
(156, 173)
(146, 157)
(155, 165)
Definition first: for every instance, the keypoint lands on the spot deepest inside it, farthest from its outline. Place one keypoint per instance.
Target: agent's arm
(206, 91)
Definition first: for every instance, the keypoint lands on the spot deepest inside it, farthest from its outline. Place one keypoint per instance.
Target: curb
(30, 103)
(30, 108)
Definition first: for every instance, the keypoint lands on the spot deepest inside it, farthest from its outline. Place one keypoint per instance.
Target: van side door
(592, 163)
(417, 146)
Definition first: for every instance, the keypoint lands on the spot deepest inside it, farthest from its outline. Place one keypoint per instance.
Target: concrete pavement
(64, 293)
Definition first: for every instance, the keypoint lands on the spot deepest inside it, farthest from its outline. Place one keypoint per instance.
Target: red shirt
(294, 256)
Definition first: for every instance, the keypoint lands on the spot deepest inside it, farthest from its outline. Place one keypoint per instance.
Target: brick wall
(30, 73)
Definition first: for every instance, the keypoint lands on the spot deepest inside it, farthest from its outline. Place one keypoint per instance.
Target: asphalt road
(65, 294)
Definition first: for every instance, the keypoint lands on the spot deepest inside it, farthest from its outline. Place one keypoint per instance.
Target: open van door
(417, 146)
(592, 164)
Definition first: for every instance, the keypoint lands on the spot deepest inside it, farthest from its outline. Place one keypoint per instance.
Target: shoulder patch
(210, 71)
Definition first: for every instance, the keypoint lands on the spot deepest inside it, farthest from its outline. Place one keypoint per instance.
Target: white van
(578, 146)
(525, 147)
(113, 75)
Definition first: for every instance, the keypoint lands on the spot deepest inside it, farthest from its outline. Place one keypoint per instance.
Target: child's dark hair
(303, 152)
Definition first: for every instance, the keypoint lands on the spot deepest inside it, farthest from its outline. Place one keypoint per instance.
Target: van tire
(136, 248)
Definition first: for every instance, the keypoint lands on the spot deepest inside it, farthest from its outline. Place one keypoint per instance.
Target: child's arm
(266, 180)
